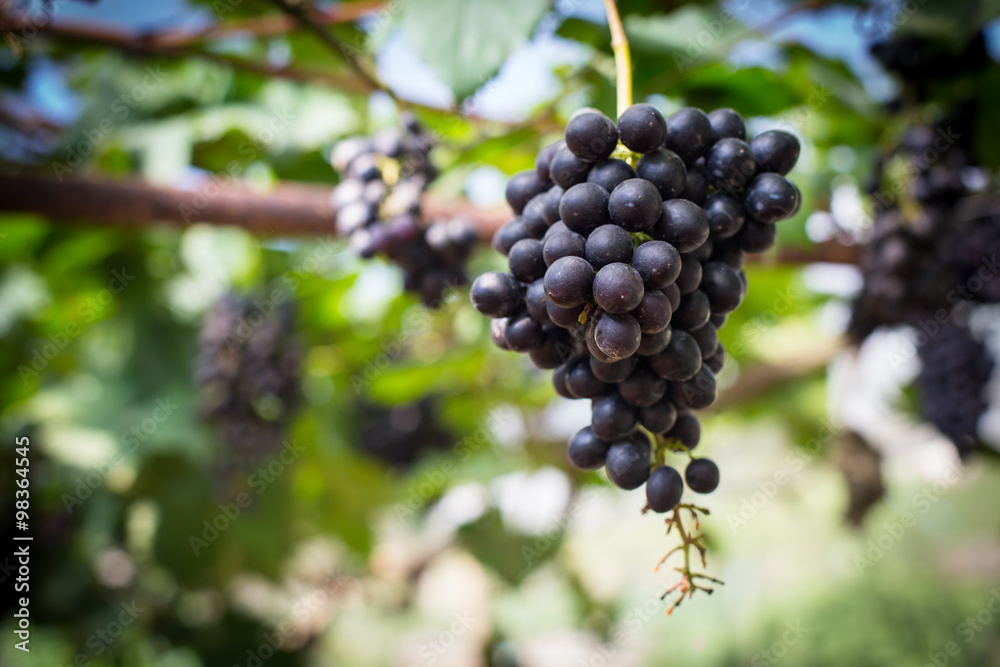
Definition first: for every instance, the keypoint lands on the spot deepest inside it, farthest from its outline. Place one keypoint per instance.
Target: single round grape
(535, 299)
(770, 198)
(727, 123)
(559, 381)
(566, 169)
(686, 429)
(730, 164)
(522, 333)
(608, 244)
(689, 134)
(718, 320)
(664, 489)
(695, 186)
(696, 393)
(643, 387)
(690, 275)
(569, 282)
(592, 347)
(611, 417)
(526, 261)
(775, 151)
(627, 462)
(701, 475)
(614, 371)
(725, 215)
(591, 136)
(497, 328)
(722, 285)
(563, 244)
(680, 361)
(653, 312)
(584, 208)
(683, 225)
(586, 451)
(548, 354)
(610, 173)
(728, 253)
(756, 237)
(693, 312)
(618, 288)
(717, 361)
(550, 210)
(642, 128)
(544, 159)
(617, 336)
(707, 338)
(702, 253)
(557, 228)
(665, 170)
(658, 264)
(522, 187)
(635, 205)
(512, 232)
(581, 381)
(567, 318)
(496, 294)
(654, 343)
(659, 417)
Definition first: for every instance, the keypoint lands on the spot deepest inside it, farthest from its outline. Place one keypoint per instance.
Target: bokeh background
(391, 489)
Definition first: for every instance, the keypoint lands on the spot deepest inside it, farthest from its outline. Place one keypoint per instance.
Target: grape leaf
(466, 41)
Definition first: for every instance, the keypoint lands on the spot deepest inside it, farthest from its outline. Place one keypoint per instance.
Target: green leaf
(466, 41)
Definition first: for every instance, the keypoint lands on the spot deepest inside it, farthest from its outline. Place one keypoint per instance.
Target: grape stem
(623, 59)
(688, 584)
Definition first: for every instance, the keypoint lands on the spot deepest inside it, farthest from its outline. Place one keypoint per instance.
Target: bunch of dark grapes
(378, 204)
(398, 436)
(955, 370)
(248, 372)
(624, 263)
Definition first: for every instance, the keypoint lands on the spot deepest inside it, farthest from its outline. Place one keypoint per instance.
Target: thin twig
(623, 58)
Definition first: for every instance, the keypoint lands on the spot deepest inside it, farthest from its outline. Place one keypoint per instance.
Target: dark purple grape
(658, 263)
(722, 285)
(544, 158)
(566, 169)
(512, 232)
(522, 333)
(586, 451)
(612, 417)
(526, 261)
(664, 489)
(567, 318)
(756, 237)
(643, 387)
(686, 430)
(727, 123)
(689, 134)
(653, 312)
(697, 393)
(608, 244)
(642, 128)
(584, 208)
(730, 164)
(673, 293)
(728, 252)
(707, 338)
(695, 186)
(581, 381)
(635, 205)
(770, 198)
(680, 361)
(725, 215)
(569, 282)
(654, 343)
(559, 382)
(618, 288)
(614, 371)
(497, 328)
(627, 462)
(591, 136)
(660, 417)
(563, 244)
(610, 173)
(617, 336)
(701, 475)
(682, 224)
(775, 151)
(690, 276)
(665, 170)
(693, 312)
(522, 187)
(496, 294)
(535, 299)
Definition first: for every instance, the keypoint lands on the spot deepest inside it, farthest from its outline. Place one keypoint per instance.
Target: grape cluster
(400, 435)
(378, 206)
(248, 372)
(623, 265)
(953, 376)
